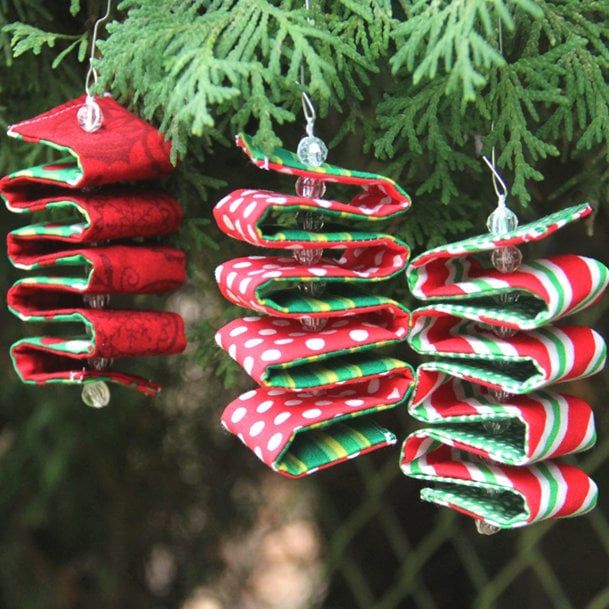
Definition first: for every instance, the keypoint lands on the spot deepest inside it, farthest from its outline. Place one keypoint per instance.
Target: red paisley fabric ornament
(91, 245)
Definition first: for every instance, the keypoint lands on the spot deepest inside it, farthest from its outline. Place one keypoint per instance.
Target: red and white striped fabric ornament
(489, 444)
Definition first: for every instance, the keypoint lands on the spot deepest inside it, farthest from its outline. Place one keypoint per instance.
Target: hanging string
(92, 72)
(311, 151)
(90, 117)
(502, 220)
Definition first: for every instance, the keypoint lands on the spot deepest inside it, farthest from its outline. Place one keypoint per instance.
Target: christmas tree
(147, 503)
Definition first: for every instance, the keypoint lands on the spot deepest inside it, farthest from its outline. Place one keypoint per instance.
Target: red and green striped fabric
(492, 427)
(517, 364)
(338, 366)
(501, 495)
(548, 289)
(539, 425)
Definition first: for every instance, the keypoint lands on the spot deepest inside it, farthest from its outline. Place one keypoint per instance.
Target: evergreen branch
(25, 38)
(239, 56)
(459, 34)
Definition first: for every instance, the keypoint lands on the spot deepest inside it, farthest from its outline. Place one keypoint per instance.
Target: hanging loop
(308, 110)
(92, 72)
(498, 184)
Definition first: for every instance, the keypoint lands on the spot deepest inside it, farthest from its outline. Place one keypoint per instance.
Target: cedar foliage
(416, 89)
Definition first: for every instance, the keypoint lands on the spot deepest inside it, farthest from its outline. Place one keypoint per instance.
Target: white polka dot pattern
(302, 372)
(274, 429)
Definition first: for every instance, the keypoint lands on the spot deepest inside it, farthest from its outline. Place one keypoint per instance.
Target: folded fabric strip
(493, 345)
(542, 425)
(77, 247)
(114, 269)
(298, 433)
(125, 148)
(503, 496)
(279, 353)
(89, 217)
(301, 369)
(376, 187)
(516, 364)
(113, 334)
(547, 289)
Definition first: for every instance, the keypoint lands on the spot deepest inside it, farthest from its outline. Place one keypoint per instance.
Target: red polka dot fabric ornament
(314, 348)
(495, 330)
(86, 257)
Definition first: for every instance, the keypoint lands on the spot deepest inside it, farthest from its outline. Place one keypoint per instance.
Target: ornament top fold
(286, 161)
(534, 231)
(125, 148)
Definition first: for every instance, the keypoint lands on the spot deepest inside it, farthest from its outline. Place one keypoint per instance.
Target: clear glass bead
(90, 117)
(484, 528)
(506, 259)
(313, 324)
(502, 220)
(503, 332)
(97, 301)
(312, 151)
(496, 427)
(96, 394)
(308, 257)
(310, 221)
(500, 395)
(312, 288)
(101, 363)
(507, 298)
(311, 188)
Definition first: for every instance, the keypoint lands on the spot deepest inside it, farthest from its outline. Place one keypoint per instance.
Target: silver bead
(311, 188)
(96, 394)
(506, 259)
(312, 151)
(308, 257)
(502, 220)
(500, 395)
(484, 528)
(313, 324)
(506, 299)
(90, 117)
(97, 301)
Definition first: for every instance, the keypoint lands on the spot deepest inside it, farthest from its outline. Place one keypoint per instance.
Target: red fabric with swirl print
(90, 244)
(125, 147)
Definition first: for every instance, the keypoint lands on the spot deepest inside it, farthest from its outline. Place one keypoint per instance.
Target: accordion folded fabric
(516, 364)
(89, 217)
(542, 425)
(111, 334)
(461, 275)
(113, 269)
(298, 433)
(493, 424)
(125, 148)
(503, 496)
(84, 266)
(324, 382)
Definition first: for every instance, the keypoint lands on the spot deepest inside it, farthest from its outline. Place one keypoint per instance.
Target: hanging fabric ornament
(125, 148)
(490, 443)
(318, 383)
(102, 144)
